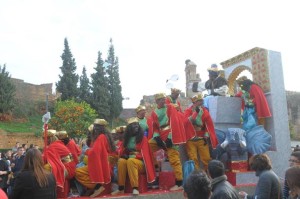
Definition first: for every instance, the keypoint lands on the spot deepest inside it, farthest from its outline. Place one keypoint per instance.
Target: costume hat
(175, 90)
(159, 96)
(214, 68)
(240, 80)
(102, 122)
(140, 108)
(51, 132)
(62, 135)
(120, 129)
(197, 97)
(91, 127)
(132, 120)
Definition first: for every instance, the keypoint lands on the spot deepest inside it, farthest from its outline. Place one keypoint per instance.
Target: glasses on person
(294, 161)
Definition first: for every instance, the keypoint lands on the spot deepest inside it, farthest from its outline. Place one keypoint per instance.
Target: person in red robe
(98, 169)
(203, 133)
(145, 122)
(135, 157)
(58, 160)
(70, 144)
(168, 133)
(119, 131)
(253, 95)
(173, 99)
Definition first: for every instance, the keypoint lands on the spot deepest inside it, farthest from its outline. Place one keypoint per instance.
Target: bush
(73, 117)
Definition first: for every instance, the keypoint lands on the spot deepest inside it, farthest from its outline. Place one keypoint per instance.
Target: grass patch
(32, 125)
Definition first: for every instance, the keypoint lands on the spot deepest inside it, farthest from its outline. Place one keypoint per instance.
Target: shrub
(73, 117)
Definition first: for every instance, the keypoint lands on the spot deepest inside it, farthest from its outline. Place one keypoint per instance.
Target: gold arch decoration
(233, 76)
(259, 68)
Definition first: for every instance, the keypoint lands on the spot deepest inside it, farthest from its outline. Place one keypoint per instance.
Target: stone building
(32, 92)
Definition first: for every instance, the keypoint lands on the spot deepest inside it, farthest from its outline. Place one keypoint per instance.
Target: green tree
(115, 89)
(67, 85)
(84, 89)
(73, 117)
(99, 87)
(7, 92)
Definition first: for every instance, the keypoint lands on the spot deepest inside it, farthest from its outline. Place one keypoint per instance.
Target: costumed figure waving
(168, 133)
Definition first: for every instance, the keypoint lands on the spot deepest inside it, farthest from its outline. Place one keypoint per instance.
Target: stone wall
(8, 140)
(32, 92)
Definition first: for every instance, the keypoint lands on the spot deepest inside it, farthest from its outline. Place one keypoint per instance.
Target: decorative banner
(260, 70)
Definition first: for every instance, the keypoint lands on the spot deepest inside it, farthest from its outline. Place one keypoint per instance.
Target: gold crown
(197, 97)
(91, 127)
(140, 108)
(175, 90)
(132, 120)
(120, 129)
(113, 131)
(159, 96)
(51, 133)
(102, 122)
(62, 135)
(241, 79)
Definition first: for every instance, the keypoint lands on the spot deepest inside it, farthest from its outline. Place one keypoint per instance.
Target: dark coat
(26, 187)
(268, 186)
(222, 189)
(3, 178)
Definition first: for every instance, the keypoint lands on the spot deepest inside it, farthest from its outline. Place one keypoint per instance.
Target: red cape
(52, 155)
(259, 100)
(169, 101)
(147, 155)
(150, 128)
(175, 122)
(98, 165)
(74, 149)
(208, 126)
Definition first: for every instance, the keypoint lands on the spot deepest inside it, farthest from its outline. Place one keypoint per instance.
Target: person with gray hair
(197, 186)
(221, 188)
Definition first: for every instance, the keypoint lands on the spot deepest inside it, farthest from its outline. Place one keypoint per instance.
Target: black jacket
(222, 189)
(3, 178)
(26, 187)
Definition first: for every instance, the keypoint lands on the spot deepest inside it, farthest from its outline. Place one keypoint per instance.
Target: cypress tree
(84, 89)
(115, 89)
(99, 87)
(67, 85)
(7, 91)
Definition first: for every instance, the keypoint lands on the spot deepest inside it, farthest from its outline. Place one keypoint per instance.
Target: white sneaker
(97, 192)
(117, 192)
(135, 192)
(176, 188)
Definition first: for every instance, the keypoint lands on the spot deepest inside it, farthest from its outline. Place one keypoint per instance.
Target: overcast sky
(151, 38)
